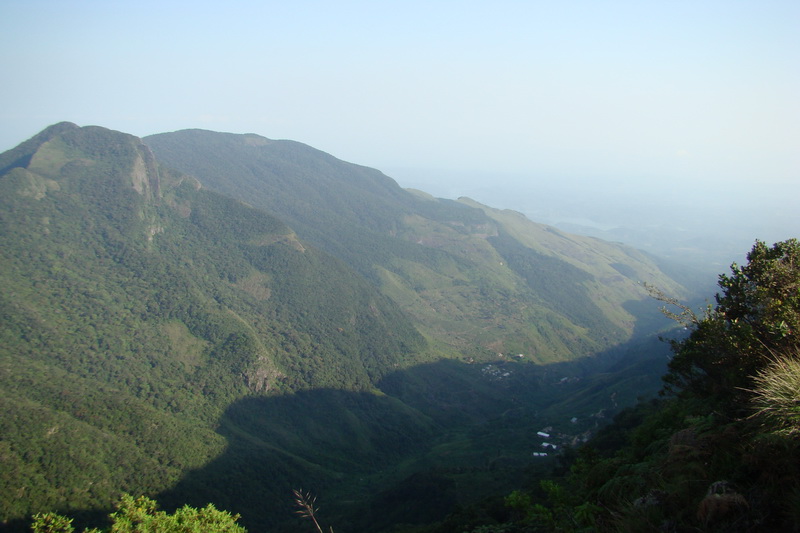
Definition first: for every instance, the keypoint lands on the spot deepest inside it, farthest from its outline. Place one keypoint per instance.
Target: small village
(552, 441)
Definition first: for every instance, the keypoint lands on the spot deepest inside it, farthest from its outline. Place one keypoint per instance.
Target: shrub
(140, 515)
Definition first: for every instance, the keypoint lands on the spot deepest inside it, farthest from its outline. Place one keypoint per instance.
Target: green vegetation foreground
(142, 515)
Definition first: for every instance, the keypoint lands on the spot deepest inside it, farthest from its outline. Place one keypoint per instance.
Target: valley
(205, 317)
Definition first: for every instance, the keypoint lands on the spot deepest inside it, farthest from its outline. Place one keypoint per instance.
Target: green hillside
(389, 351)
(137, 306)
(479, 280)
(718, 452)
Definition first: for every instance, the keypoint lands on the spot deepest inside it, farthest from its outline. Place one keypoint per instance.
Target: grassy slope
(616, 270)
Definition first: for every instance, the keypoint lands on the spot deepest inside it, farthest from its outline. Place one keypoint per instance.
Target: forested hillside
(480, 280)
(385, 349)
(719, 451)
(138, 306)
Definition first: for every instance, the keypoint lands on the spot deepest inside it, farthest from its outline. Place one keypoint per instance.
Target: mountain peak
(21, 155)
(57, 149)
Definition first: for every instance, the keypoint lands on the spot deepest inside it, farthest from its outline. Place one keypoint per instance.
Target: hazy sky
(684, 92)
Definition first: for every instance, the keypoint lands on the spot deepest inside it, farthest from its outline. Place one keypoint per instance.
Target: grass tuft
(777, 394)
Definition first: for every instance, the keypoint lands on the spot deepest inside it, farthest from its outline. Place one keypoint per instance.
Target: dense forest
(137, 307)
(394, 354)
(479, 280)
(717, 452)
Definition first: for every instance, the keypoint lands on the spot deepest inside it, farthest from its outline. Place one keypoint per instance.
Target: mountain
(480, 280)
(309, 324)
(137, 306)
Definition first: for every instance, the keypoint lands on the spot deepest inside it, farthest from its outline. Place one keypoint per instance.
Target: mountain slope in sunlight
(160, 338)
(137, 306)
(475, 279)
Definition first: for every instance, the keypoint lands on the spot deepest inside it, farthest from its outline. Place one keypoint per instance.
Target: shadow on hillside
(314, 440)
(439, 435)
(411, 454)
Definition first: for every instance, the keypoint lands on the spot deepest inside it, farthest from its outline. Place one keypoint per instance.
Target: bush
(140, 515)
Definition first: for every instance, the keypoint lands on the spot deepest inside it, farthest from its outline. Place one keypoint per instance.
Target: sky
(453, 97)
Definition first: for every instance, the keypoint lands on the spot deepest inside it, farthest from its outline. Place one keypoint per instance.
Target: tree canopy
(757, 315)
(141, 515)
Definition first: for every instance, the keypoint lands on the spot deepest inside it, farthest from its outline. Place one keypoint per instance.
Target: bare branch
(686, 317)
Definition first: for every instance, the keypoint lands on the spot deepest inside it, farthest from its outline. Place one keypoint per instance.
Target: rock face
(145, 176)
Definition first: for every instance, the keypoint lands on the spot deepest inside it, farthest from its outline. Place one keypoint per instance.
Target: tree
(756, 314)
(141, 515)
(763, 297)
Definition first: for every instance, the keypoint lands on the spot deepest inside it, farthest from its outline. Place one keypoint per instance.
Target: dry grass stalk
(305, 507)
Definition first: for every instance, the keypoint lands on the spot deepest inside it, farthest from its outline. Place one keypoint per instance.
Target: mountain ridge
(439, 245)
(158, 336)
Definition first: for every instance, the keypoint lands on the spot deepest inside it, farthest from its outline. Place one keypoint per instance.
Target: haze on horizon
(634, 120)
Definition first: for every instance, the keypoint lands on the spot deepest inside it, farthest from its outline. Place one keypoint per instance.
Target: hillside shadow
(410, 453)
(315, 440)
(432, 437)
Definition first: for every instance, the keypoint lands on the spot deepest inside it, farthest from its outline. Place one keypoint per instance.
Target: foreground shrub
(141, 515)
